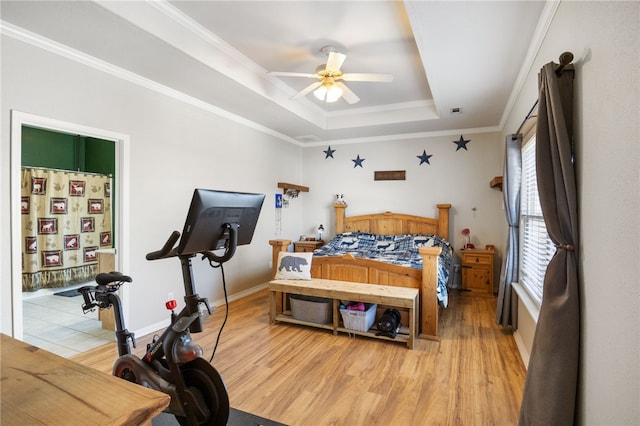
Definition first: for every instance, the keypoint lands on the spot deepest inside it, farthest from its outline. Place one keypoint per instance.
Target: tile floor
(57, 324)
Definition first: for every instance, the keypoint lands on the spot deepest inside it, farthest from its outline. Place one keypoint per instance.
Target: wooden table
(41, 388)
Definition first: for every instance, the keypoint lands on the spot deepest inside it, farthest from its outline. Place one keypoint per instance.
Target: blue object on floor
(67, 293)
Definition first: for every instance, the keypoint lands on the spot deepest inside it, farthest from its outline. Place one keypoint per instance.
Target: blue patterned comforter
(397, 249)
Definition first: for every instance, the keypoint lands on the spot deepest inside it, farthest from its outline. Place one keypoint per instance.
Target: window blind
(537, 249)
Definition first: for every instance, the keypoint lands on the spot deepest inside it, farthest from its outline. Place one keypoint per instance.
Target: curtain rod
(527, 118)
(564, 59)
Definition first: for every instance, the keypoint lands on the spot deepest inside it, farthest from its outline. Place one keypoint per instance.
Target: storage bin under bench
(403, 298)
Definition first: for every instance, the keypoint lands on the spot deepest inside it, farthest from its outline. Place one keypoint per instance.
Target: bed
(429, 274)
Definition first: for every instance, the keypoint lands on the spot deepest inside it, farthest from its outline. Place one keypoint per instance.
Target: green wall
(45, 148)
(42, 148)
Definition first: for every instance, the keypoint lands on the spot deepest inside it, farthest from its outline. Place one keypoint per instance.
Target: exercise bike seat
(105, 278)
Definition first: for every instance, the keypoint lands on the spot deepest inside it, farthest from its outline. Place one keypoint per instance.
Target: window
(536, 248)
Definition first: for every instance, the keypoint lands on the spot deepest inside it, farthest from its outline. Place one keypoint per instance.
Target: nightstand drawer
(307, 246)
(481, 259)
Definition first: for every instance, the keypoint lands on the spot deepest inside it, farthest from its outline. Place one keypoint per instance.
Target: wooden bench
(403, 298)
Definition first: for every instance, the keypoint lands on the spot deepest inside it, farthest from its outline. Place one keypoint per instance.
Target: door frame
(121, 221)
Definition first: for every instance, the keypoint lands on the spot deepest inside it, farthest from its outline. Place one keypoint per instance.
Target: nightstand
(477, 270)
(305, 246)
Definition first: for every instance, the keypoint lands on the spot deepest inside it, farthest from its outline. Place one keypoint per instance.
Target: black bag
(389, 323)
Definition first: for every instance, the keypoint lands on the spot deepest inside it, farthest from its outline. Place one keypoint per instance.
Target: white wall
(460, 178)
(604, 37)
(174, 147)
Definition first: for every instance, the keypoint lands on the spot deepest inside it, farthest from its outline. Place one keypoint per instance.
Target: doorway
(21, 121)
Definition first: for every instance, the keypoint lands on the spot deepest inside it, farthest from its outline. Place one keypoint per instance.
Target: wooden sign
(390, 175)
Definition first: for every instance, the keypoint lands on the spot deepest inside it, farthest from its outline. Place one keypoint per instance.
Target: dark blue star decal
(462, 143)
(358, 161)
(329, 152)
(424, 158)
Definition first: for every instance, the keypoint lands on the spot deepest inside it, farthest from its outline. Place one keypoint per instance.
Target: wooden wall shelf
(496, 182)
(286, 187)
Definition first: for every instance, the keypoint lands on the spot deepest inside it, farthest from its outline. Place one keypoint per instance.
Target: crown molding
(546, 17)
(115, 71)
(405, 136)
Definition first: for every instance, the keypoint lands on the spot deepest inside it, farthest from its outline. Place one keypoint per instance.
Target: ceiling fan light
(320, 92)
(333, 93)
(328, 93)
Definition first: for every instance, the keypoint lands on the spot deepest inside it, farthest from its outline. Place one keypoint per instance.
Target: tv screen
(209, 211)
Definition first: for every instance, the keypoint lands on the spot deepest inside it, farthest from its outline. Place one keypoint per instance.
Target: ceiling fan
(329, 88)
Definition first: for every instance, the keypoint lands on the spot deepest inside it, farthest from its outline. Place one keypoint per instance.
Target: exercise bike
(173, 362)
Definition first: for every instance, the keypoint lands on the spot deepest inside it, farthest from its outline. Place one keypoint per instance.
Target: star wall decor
(424, 158)
(358, 161)
(462, 143)
(329, 152)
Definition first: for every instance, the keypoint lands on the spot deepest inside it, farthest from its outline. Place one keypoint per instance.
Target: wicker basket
(359, 320)
(311, 309)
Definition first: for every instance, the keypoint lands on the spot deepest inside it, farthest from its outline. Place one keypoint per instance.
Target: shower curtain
(66, 219)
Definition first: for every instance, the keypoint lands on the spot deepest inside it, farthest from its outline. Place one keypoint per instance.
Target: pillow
(294, 266)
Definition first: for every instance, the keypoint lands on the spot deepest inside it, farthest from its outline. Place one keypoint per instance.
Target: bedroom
(67, 91)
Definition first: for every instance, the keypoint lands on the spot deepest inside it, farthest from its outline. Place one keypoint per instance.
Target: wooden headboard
(388, 223)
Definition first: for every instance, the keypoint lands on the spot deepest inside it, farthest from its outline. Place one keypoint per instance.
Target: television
(211, 211)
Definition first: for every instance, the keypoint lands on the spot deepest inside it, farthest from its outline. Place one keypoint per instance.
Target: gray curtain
(507, 308)
(551, 384)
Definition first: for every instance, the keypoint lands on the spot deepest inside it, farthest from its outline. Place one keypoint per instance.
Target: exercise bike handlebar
(167, 250)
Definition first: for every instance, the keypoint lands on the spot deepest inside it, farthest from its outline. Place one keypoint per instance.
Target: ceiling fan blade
(292, 74)
(347, 94)
(354, 76)
(335, 61)
(307, 89)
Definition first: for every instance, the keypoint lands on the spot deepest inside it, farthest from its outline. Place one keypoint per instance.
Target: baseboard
(240, 295)
(522, 349)
(152, 328)
(528, 312)
(140, 332)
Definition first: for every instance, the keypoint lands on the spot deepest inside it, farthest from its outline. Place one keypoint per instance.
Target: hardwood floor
(304, 376)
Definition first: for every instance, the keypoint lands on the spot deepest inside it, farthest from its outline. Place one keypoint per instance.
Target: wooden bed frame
(349, 268)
